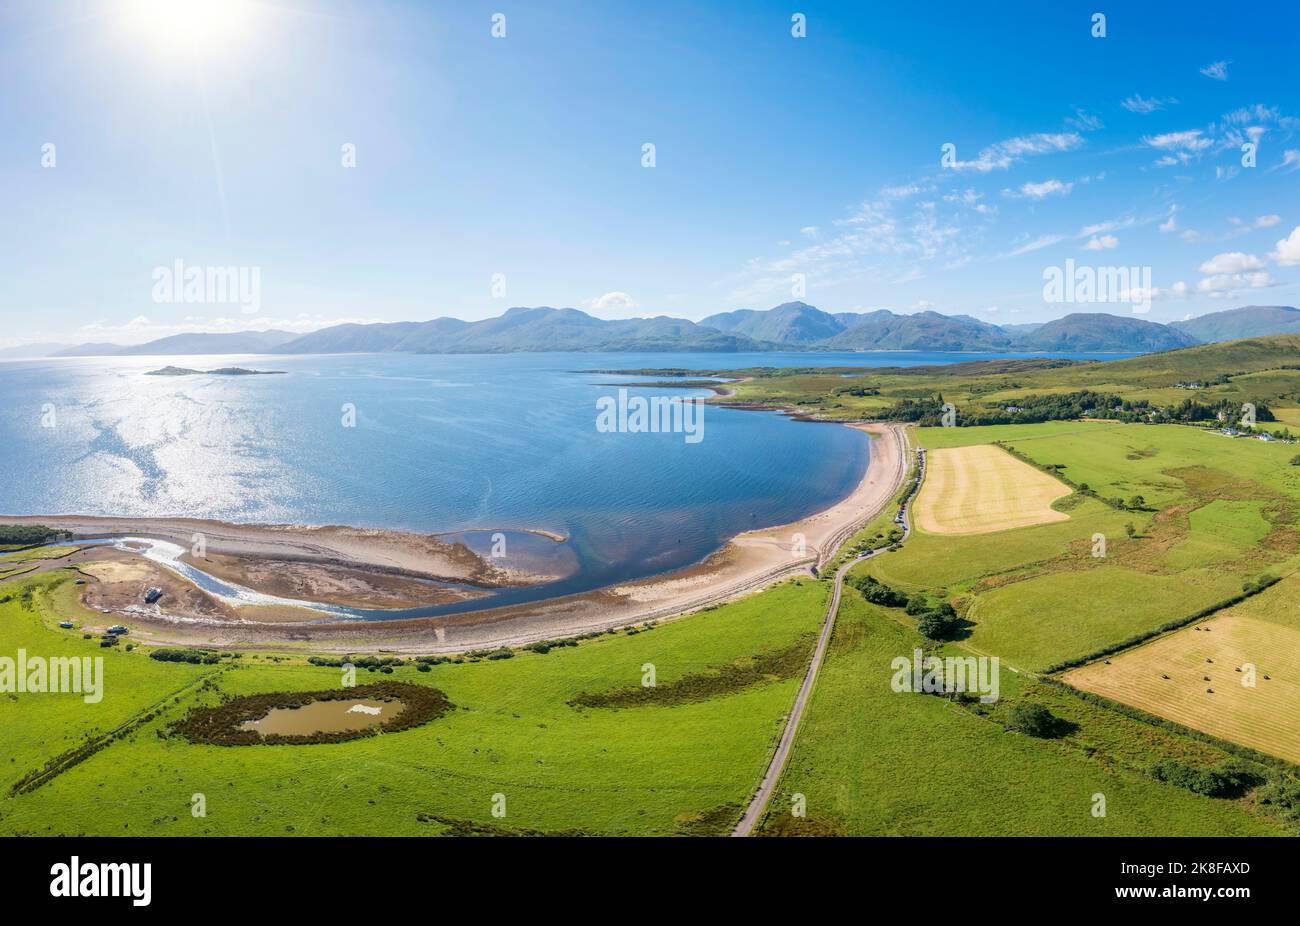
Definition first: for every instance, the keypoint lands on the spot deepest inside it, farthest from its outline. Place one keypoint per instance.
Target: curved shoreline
(748, 562)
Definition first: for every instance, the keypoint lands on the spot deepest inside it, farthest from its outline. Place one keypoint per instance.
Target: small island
(222, 371)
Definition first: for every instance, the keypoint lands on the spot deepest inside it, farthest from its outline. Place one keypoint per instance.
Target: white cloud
(1170, 224)
(903, 191)
(1190, 140)
(1263, 221)
(1256, 112)
(1179, 147)
(1041, 190)
(1291, 159)
(1109, 225)
(1232, 262)
(616, 302)
(1179, 290)
(969, 197)
(809, 230)
(1288, 249)
(1037, 244)
(1102, 243)
(1003, 154)
(1138, 104)
(1217, 70)
(1226, 284)
(1084, 121)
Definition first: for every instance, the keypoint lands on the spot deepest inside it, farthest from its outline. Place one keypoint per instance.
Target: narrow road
(768, 785)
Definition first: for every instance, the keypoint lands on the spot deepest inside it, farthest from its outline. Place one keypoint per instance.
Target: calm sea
(440, 444)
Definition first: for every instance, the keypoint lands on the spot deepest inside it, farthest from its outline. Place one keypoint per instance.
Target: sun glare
(184, 24)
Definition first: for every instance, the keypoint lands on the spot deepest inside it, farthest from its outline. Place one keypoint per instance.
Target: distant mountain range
(1250, 321)
(523, 329)
(241, 342)
(791, 326)
(799, 324)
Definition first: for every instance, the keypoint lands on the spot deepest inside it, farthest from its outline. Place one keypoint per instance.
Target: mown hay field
(1235, 676)
(981, 489)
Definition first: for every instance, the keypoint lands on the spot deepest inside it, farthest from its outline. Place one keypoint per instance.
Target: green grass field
(661, 769)
(1217, 513)
(874, 762)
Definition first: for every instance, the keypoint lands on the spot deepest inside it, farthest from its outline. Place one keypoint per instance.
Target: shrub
(1226, 779)
(939, 623)
(876, 592)
(1034, 719)
(193, 656)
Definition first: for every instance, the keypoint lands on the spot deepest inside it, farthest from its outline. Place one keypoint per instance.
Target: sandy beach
(361, 565)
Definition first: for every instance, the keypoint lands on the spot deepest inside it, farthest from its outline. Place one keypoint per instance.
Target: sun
(186, 24)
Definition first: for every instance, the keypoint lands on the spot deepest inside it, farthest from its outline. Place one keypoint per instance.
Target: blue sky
(218, 142)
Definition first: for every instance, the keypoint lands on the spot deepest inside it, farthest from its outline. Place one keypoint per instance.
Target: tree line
(928, 411)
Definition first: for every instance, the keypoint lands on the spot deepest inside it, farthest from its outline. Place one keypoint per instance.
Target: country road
(754, 812)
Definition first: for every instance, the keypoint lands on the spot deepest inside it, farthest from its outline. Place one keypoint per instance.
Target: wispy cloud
(1003, 154)
(1217, 70)
(1144, 105)
(1236, 228)
(1084, 121)
(1101, 243)
(1037, 244)
(1040, 190)
(885, 239)
(1179, 147)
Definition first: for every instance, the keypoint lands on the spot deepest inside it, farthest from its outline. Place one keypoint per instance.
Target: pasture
(1175, 519)
(679, 759)
(871, 761)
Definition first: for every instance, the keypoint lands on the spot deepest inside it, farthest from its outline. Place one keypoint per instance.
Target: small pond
(325, 717)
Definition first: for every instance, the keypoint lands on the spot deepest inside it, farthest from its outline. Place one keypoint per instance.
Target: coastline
(748, 562)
